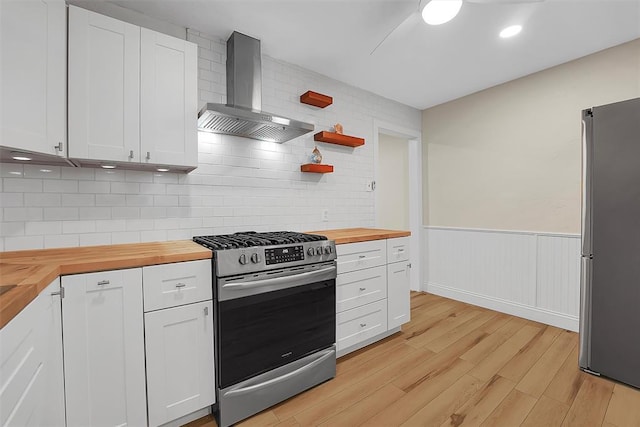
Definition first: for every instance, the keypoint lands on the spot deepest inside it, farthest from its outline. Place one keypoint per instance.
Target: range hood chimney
(243, 115)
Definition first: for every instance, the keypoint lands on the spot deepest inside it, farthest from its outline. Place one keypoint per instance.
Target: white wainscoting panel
(532, 275)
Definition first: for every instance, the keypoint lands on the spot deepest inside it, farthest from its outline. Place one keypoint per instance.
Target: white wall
(240, 184)
(392, 183)
(509, 157)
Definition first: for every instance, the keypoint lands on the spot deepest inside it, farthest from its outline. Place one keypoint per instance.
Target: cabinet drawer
(357, 256)
(360, 287)
(170, 285)
(361, 323)
(398, 249)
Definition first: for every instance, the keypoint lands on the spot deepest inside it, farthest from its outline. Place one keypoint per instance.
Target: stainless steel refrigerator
(610, 278)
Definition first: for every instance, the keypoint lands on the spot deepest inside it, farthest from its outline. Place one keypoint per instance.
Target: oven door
(267, 320)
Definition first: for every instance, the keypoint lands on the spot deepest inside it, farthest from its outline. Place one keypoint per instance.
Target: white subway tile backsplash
(43, 227)
(19, 185)
(60, 186)
(60, 214)
(111, 200)
(22, 214)
(240, 183)
(69, 227)
(21, 243)
(11, 200)
(78, 199)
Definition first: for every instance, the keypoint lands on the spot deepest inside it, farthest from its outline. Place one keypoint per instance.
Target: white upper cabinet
(33, 75)
(168, 97)
(104, 87)
(132, 94)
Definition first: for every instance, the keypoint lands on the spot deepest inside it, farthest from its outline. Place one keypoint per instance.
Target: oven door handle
(285, 281)
(322, 356)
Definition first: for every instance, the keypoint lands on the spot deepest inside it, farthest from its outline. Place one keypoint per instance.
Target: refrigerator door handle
(587, 156)
(584, 358)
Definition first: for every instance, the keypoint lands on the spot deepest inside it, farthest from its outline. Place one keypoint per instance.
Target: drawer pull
(103, 282)
(363, 289)
(206, 311)
(362, 325)
(362, 256)
(180, 285)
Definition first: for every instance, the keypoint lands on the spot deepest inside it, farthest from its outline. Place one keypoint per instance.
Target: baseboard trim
(532, 313)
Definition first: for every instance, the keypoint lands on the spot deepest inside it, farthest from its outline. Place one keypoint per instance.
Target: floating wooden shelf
(316, 99)
(316, 168)
(337, 138)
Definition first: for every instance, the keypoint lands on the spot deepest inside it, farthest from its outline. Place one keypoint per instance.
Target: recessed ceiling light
(438, 12)
(107, 166)
(162, 170)
(15, 155)
(510, 31)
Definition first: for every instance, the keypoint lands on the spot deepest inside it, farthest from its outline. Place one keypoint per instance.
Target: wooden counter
(24, 274)
(353, 235)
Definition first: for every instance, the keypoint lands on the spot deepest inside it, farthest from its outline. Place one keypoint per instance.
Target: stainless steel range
(275, 318)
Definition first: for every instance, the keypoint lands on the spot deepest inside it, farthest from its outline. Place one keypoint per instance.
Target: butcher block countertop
(24, 274)
(353, 235)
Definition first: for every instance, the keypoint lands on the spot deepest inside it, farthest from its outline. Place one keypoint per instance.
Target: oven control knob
(311, 252)
(243, 259)
(319, 250)
(255, 258)
(327, 250)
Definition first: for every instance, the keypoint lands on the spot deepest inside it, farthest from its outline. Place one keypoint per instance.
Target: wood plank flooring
(456, 365)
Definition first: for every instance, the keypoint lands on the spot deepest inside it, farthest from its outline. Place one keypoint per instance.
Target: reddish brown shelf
(337, 138)
(316, 99)
(316, 168)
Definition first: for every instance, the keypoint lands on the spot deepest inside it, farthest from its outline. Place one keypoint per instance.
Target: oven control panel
(283, 254)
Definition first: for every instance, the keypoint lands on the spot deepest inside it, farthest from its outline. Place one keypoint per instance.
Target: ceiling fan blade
(503, 1)
(400, 28)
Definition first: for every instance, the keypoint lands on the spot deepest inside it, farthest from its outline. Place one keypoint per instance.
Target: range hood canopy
(242, 115)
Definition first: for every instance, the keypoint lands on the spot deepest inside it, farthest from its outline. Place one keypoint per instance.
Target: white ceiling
(418, 65)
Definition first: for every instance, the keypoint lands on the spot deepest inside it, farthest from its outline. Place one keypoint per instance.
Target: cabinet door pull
(362, 325)
(148, 155)
(206, 311)
(58, 147)
(362, 256)
(131, 154)
(103, 282)
(363, 289)
(409, 265)
(180, 285)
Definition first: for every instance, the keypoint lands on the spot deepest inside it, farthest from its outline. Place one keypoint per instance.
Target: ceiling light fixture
(438, 12)
(510, 31)
(162, 170)
(107, 166)
(15, 155)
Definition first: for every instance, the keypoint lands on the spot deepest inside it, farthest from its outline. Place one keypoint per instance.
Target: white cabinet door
(104, 349)
(104, 87)
(168, 97)
(33, 75)
(31, 381)
(179, 349)
(398, 293)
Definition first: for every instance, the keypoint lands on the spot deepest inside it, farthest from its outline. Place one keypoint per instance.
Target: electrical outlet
(325, 215)
(371, 185)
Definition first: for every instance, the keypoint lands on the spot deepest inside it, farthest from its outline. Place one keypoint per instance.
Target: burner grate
(249, 239)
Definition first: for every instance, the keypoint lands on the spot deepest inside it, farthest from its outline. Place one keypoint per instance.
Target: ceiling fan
(437, 12)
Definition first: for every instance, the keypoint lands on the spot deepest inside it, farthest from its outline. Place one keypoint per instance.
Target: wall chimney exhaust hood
(242, 115)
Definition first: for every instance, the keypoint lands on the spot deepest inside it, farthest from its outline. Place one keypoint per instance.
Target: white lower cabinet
(372, 291)
(179, 348)
(178, 323)
(31, 379)
(104, 367)
(361, 323)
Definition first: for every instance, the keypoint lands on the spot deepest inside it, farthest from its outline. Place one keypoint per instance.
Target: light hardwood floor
(456, 364)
